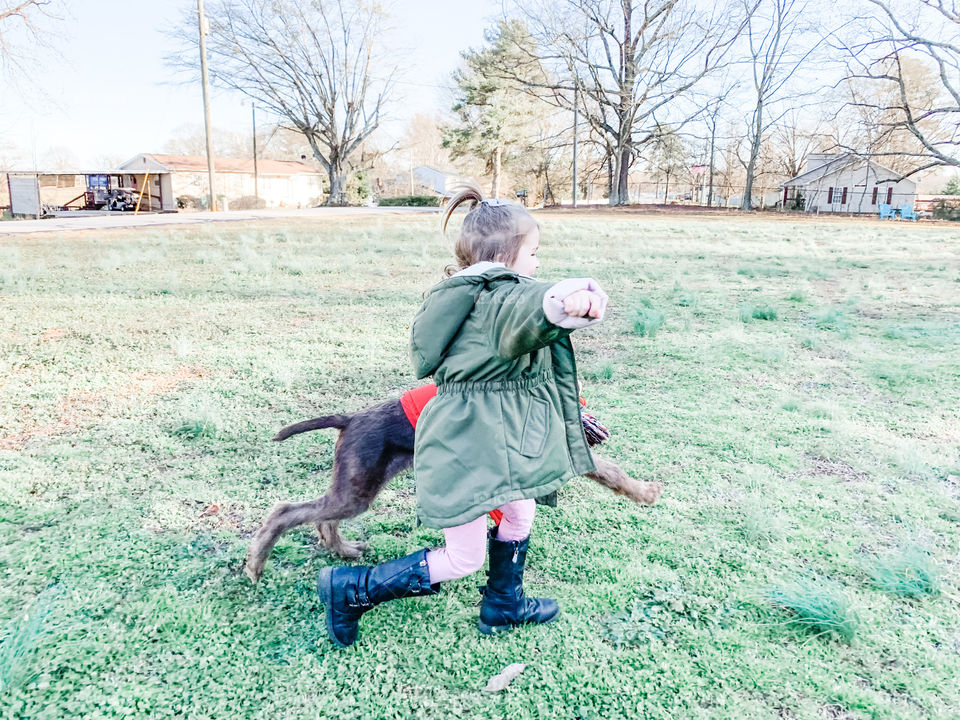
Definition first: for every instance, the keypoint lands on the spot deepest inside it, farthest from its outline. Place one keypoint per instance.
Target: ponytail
(493, 229)
(468, 191)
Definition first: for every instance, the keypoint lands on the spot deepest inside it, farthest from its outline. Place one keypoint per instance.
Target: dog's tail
(327, 421)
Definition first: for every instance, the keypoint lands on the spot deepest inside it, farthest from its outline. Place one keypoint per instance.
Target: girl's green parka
(505, 424)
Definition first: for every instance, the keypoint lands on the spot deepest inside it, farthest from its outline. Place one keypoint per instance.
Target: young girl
(504, 427)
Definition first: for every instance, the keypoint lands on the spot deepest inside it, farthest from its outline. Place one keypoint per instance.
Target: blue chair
(908, 213)
(886, 211)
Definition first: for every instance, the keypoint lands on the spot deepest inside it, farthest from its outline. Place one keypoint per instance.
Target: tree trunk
(497, 167)
(713, 136)
(747, 201)
(623, 184)
(611, 189)
(666, 190)
(338, 187)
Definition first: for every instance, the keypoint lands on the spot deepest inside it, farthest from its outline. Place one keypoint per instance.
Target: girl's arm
(531, 315)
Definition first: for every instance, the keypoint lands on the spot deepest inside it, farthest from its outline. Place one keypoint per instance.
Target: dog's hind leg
(283, 517)
(613, 477)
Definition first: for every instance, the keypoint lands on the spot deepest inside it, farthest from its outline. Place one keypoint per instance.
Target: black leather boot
(504, 605)
(348, 592)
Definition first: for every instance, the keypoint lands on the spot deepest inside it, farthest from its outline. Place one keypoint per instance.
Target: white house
(280, 183)
(426, 179)
(846, 183)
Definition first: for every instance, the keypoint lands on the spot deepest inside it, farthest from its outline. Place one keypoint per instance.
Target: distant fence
(769, 197)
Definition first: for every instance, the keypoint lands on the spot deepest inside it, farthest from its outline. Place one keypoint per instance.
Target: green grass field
(795, 384)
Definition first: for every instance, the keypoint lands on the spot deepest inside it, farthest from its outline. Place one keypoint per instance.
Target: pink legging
(466, 546)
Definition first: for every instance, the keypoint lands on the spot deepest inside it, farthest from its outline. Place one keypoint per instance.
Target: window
(874, 200)
(889, 195)
(843, 197)
(829, 196)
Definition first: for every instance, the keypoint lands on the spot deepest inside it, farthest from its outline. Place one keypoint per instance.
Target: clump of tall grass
(759, 525)
(758, 271)
(19, 640)
(835, 319)
(685, 298)
(647, 322)
(749, 313)
(196, 427)
(816, 607)
(200, 421)
(909, 572)
(604, 371)
(797, 295)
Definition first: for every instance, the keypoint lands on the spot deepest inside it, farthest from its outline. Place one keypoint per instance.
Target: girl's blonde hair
(493, 229)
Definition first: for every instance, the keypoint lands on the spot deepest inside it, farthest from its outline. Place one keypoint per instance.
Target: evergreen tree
(669, 157)
(495, 120)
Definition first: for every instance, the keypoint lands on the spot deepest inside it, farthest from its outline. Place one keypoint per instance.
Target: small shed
(278, 183)
(846, 183)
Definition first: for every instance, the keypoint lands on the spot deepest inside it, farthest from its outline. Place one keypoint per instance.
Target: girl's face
(526, 262)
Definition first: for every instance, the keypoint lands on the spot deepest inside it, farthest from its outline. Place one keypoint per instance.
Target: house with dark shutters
(846, 183)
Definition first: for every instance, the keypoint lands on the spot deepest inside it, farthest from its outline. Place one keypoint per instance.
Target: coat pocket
(536, 426)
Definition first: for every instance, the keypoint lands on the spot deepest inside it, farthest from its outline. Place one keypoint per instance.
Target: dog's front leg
(334, 542)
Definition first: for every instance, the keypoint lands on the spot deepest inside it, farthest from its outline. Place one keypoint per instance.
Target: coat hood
(446, 307)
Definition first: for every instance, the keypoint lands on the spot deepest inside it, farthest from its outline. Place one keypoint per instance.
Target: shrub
(648, 322)
(248, 202)
(946, 209)
(410, 201)
(188, 201)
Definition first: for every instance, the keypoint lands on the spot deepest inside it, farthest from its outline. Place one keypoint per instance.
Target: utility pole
(575, 118)
(713, 137)
(204, 30)
(256, 188)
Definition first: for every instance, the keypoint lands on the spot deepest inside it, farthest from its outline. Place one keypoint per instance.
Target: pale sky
(108, 93)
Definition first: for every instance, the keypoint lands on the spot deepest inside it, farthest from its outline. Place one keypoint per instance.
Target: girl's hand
(583, 303)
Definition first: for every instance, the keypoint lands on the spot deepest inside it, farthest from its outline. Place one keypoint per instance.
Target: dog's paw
(252, 573)
(349, 550)
(649, 492)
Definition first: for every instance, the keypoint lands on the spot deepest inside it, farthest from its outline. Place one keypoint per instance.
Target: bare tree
(626, 63)
(20, 32)
(779, 44)
(908, 51)
(795, 136)
(313, 64)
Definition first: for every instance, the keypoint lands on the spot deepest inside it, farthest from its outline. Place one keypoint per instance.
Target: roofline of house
(839, 164)
(262, 173)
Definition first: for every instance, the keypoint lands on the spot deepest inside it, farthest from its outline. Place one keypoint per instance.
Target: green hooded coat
(505, 424)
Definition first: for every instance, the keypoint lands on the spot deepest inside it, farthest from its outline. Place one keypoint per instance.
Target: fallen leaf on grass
(212, 510)
(504, 677)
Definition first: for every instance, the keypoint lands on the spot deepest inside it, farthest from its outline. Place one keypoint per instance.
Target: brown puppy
(374, 445)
